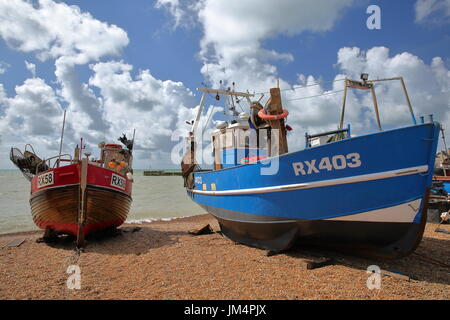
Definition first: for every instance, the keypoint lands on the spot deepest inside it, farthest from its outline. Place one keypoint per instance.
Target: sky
(115, 66)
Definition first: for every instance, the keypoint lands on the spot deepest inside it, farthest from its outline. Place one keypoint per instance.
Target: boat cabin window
(242, 138)
(229, 139)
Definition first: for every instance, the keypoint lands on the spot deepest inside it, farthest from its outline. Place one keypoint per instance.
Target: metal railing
(56, 162)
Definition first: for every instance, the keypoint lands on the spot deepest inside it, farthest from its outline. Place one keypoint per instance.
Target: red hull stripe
(69, 175)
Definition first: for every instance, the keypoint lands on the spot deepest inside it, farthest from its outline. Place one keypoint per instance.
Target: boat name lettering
(118, 181)
(45, 179)
(337, 162)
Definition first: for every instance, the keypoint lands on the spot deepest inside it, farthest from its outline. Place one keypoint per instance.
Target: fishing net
(28, 162)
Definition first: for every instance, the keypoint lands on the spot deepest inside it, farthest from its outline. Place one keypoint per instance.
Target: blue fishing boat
(364, 194)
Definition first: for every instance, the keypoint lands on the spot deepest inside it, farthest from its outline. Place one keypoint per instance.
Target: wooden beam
(82, 203)
(405, 92)
(231, 93)
(341, 124)
(14, 243)
(309, 264)
(395, 275)
(206, 229)
(276, 107)
(375, 105)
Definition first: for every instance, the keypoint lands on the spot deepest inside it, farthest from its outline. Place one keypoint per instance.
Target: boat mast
(188, 162)
(444, 155)
(274, 107)
(341, 124)
(62, 136)
(199, 113)
(132, 141)
(443, 139)
(217, 92)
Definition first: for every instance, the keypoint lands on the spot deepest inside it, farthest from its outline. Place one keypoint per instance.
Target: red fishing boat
(83, 196)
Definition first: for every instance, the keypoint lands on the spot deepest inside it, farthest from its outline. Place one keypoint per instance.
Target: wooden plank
(234, 93)
(395, 275)
(309, 264)
(441, 178)
(202, 230)
(442, 231)
(14, 243)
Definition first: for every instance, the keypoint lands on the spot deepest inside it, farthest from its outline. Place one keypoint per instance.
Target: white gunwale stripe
(317, 184)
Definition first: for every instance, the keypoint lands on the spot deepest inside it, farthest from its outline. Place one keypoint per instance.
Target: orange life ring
(263, 115)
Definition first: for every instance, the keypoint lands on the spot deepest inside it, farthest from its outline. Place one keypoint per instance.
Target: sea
(154, 198)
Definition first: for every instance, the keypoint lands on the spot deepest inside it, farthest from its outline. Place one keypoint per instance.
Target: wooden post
(309, 264)
(188, 161)
(375, 105)
(408, 101)
(275, 107)
(404, 91)
(82, 215)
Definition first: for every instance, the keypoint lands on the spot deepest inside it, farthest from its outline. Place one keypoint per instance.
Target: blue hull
(366, 194)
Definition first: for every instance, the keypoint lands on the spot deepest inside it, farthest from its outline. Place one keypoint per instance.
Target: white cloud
(81, 99)
(155, 108)
(173, 6)
(3, 67)
(428, 85)
(432, 11)
(231, 49)
(31, 67)
(33, 113)
(241, 22)
(63, 33)
(117, 99)
(233, 31)
(53, 29)
(57, 31)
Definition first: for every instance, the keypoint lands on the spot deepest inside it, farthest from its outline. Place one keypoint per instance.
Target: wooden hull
(57, 209)
(59, 206)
